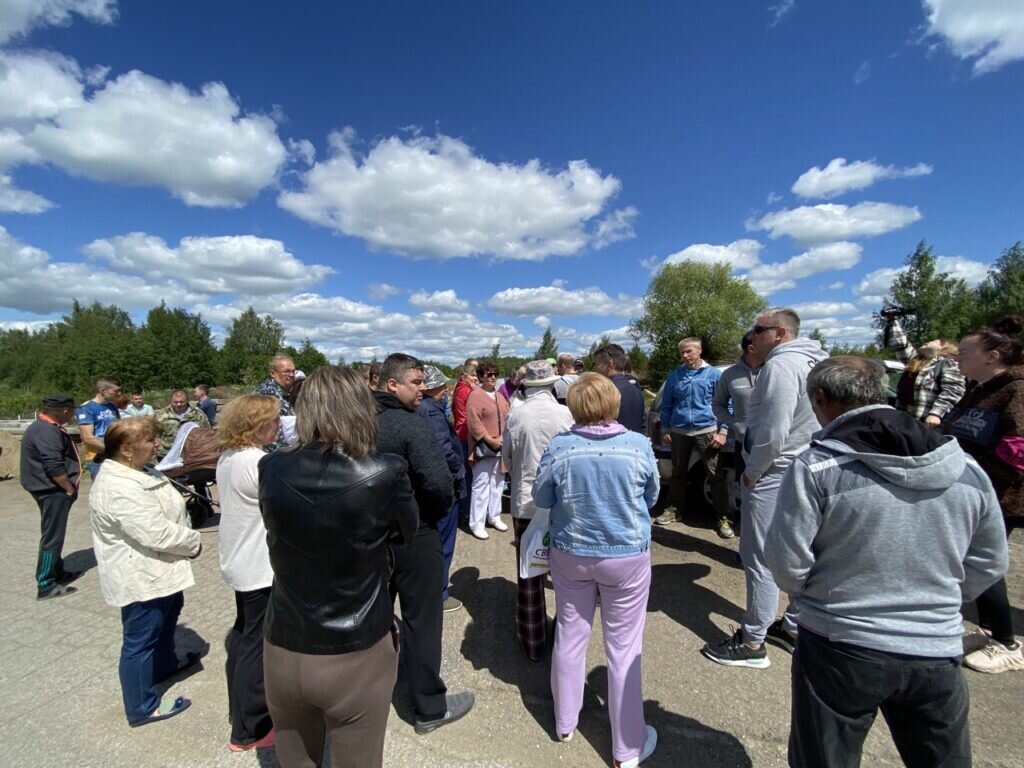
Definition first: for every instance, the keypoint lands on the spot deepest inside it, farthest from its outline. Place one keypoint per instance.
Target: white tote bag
(535, 546)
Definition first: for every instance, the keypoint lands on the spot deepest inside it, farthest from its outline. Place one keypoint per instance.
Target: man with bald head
(884, 528)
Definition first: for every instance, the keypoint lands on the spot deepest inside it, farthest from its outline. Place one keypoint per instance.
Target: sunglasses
(763, 328)
(490, 375)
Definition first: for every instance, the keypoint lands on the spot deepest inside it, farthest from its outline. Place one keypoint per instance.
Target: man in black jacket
(610, 360)
(50, 469)
(419, 568)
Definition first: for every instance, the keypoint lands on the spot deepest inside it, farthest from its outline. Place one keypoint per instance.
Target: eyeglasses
(763, 328)
(490, 375)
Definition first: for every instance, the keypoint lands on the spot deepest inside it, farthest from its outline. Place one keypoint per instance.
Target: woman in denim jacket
(599, 480)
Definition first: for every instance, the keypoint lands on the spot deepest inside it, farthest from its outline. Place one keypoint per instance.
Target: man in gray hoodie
(884, 527)
(780, 423)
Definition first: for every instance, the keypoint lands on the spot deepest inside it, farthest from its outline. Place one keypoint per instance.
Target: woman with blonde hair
(333, 507)
(599, 480)
(143, 544)
(247, 424)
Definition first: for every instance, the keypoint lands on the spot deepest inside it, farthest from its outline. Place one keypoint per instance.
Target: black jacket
(330, 519)
(432, 412)
(404, 433)
(47, 451)
(631, 408)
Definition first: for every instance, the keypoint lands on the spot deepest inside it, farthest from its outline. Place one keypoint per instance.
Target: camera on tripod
(892, 311)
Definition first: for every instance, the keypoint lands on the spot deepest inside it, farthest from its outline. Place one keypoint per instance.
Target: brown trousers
(347, 696)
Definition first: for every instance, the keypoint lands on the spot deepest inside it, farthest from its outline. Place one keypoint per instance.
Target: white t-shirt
(244, 557)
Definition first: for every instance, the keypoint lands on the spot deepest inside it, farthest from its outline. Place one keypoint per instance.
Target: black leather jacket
(330, 522)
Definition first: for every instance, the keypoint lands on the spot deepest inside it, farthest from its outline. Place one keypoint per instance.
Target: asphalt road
(61, 702)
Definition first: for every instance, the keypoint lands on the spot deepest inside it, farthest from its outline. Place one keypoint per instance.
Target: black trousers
(247, 702)
(54, 508)
(838, 689)
(419, 569)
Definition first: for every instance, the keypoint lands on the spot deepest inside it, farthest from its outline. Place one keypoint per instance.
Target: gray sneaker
(458, 705)
(669, 516)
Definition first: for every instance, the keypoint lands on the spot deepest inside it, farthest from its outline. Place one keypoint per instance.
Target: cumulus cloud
(446, 300)
(769, 278)
(433, 197)
(31, 282)
(542, 321)
(210, 265)
(19, 17)
(873, 288)
(840, 176)
(739, 254)
(829, 222)
(818, 313)
(989, 33)
(557, 300)
(970, 271)
(834, 286)
(381, 291)
(14, 200)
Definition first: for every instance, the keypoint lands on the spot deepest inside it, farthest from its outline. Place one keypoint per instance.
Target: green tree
(177, 351)
(639, 360)
(308, 358)
(588, 359)
(1002, 292)
(695, 299)
(943, 305)
(548, 346)
(251, 341)
(495, 355)
(817, 335)
(89, 342)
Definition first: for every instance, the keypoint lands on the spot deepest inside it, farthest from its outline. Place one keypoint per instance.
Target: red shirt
(462, 390)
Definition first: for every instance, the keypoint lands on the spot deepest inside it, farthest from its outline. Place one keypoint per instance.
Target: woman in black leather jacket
(332, 508)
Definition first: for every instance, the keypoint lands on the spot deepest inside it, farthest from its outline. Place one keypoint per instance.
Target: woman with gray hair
(332, 507)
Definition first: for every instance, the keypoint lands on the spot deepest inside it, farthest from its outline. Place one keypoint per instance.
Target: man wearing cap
(50, 471)
(530, 428)
(431, 409)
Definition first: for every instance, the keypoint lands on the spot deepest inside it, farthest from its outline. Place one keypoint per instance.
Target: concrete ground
(61, 704)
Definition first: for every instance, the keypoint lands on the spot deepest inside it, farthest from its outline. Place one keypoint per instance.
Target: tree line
(174, 348)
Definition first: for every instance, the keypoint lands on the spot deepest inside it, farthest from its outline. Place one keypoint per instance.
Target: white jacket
(140, 536)
(530, 428)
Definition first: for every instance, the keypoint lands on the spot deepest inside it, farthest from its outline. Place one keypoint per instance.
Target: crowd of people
(341, 493)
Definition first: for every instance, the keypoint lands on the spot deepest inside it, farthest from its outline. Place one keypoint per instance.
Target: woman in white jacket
(143, 545)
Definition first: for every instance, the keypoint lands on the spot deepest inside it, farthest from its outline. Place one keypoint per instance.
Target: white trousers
(488, 481)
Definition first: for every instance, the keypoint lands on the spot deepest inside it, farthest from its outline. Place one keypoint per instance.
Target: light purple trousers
(624, 584)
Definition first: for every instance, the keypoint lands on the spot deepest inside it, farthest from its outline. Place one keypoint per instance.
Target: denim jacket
(599, 484)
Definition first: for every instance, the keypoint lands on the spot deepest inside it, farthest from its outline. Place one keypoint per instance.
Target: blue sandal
(169, 707)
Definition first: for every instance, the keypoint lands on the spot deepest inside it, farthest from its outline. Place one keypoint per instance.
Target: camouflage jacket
(169, 424)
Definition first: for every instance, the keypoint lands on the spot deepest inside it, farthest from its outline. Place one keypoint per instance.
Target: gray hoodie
(732, 398)
(883, 528)
(780, 421)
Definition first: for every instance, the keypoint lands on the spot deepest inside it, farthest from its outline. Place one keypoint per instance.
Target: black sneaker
(60, 590)
(731, 652)
(777, 635)
(458, 705)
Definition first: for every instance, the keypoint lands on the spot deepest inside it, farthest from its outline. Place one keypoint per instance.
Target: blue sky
(436, 177)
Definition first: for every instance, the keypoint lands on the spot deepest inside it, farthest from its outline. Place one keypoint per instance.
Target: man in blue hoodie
(687, 422)
(884, 528)
(780, 423)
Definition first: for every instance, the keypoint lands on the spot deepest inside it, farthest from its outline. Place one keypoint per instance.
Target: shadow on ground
(674, 538)
(675, 591)
(681, 740)
(490, 642)
(81, 560)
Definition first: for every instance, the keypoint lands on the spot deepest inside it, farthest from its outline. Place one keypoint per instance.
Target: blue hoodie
(686, 398)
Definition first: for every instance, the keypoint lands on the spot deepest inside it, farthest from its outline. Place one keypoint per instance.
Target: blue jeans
(93, 467)
(447, 528)
(147, 652)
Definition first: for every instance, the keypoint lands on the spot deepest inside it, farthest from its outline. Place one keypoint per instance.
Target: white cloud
(446, 300)
(210, 265)
(740, 254)
(840, 176)
(874, 286)
(542, 321)
(780, 10)
(25, 325)
(381, 291)
(19, 17)
(29, 281)
(820, 309)
(434, 198)
(971, 272)
(828, 222)
(863, 73)
(988, 32)
(834, 286)
(616, 226)
(559, 301)
(38, 86)
(139, 130)
(769, 278)
(14, 200)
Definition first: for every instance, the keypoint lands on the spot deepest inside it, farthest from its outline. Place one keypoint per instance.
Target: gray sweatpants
(757, 509)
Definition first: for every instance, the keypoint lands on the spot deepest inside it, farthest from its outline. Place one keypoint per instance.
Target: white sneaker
(975, 640)
(479, 533)
(996, 657)
(497, 525)
(648, 750)
(566, 736)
